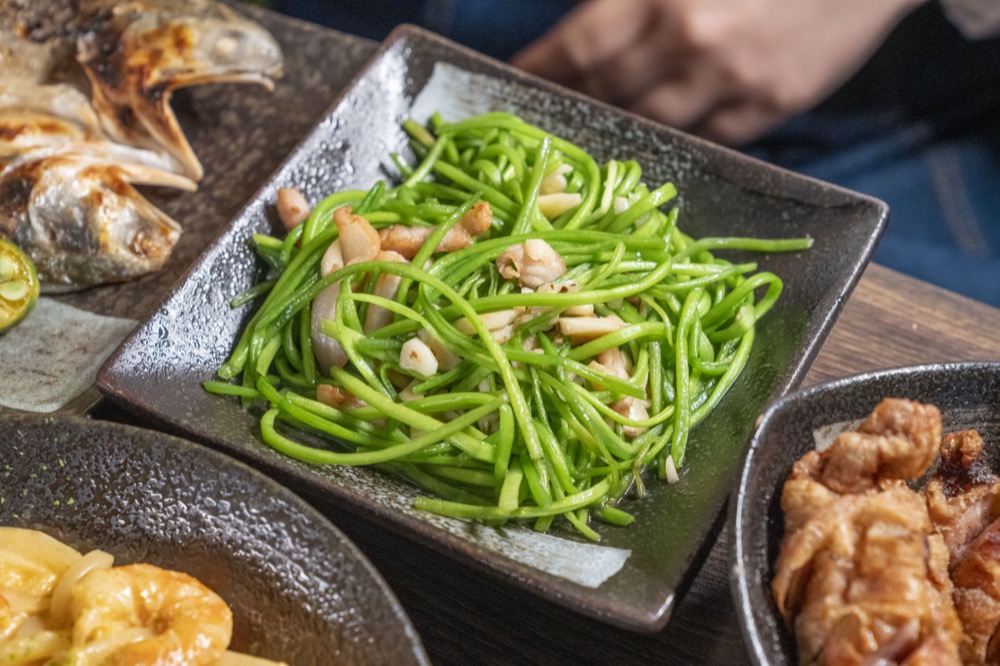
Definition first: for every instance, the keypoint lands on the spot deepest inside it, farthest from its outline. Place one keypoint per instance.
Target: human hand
(728, 70)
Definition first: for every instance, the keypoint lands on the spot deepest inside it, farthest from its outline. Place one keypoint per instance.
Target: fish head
(83, 223)
(194, 50)
(135, 71)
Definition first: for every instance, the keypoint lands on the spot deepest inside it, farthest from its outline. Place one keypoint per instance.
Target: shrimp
(166, 617)
(292, 207)
(533, 263)
(615, 363)
(407, 240)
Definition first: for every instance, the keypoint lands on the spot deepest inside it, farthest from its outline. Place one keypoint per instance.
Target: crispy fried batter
(962, 500)
(962, 493)
(898, 440)
(861, 575)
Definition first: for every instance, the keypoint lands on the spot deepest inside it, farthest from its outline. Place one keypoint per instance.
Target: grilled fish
(81, 220)
(135, 54)
(85, 90)
(147, 49)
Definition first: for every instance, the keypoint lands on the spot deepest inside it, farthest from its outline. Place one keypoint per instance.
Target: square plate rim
(570, 595)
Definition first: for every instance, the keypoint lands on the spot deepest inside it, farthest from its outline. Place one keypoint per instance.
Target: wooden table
(462, 616)
(890, 320)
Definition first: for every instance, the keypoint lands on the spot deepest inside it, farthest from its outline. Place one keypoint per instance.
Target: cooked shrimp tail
(176, 618)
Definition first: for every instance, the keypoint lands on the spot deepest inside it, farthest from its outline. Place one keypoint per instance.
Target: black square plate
(632, 578)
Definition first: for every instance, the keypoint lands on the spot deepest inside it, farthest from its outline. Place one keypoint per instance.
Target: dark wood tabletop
(463, 616)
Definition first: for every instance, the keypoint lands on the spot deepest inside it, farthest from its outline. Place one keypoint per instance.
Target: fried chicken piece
(976, 577)
(962, 501)
(963, 493)
(898, 440)
(866, 578)
(861, 576)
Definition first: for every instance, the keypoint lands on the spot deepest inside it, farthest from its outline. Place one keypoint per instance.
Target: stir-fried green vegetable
(530, 373)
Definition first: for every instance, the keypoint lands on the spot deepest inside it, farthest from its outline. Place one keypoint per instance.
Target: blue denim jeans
(918, 127)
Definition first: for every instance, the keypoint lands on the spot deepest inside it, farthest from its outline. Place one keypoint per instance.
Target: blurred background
(916, 122)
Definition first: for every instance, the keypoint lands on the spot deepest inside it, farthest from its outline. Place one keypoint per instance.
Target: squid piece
(357, 241)
(328, 351)
(386, 286)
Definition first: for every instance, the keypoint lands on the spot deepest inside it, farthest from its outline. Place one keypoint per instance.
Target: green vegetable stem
(531, 372)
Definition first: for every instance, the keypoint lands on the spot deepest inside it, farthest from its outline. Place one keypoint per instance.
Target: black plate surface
(299, 589)
(968, 395)
(158, 371)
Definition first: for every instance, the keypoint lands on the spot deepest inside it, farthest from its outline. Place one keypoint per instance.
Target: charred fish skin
(85, 90)
(65, 191)
(134, 55)
(147, 50)
(41, 121)
(83, 223)
(44, 118)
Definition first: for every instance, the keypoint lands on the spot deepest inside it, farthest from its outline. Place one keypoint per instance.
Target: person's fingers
(629, 74)
(590, 35)
(737, 122)
(680, 102)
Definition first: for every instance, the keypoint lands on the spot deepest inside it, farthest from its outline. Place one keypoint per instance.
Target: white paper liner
(53, 355)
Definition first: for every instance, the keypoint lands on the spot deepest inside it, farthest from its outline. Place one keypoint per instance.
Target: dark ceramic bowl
(299, 589)
(968, 395)
(632, 578)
